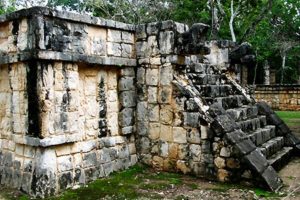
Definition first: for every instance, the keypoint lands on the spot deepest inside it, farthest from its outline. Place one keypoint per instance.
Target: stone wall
(172, 133)
(279, 97)
(67, 100)
(82, 97)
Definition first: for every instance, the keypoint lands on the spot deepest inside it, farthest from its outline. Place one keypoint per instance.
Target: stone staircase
(264, 141)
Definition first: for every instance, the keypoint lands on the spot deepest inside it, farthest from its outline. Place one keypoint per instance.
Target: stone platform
(81, 97)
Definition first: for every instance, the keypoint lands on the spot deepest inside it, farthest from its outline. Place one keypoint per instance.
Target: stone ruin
(82, 97)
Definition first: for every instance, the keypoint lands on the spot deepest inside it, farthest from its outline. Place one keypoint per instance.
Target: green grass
(291, 118)
(128, 184)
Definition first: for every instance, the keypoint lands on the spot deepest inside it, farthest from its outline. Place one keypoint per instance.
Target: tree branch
(260, 17)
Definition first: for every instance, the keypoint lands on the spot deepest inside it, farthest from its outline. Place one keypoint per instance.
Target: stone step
(280, 158)
(272, 146)
(215, 90)
(243, 113)
(231, 101)
(206, 79)
(253, 124)
(262, 135)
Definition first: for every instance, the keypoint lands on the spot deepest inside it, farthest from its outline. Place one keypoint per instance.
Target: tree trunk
(231, 22)
(283, 67)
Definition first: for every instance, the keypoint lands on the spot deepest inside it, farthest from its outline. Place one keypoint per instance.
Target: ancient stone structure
(82, 97)
(279, 97)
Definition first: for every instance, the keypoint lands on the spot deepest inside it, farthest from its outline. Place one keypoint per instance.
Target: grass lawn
(291, 118)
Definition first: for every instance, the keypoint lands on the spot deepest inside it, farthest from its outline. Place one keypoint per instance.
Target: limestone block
(143, 50)
(152, 47)
(182, 166)
(128, 99)
(29, 152)
(152, 77)
(112, 123)
(112, 95)
(132, 148)
(126, 117)
(127, 37)
(64, 163)
(155, 61)
(22, 41)
(77, 160)
(173, 151)
(166, 114)
(128, 71)
(152, 94)
(63, 150)
(204, 132)
(164, 149)
(195, 152)
(153, 112)
(166, 75)
(11, 145)
(164, 94)
(152, 28)
(181, 28)
(179, 135)
(127, 130)
(193, 136)
(97, 46)
(154, 130)
(127, 50)
(142, 127)
(142, 111)
(144, 61)
(144, 145)
(104, 155)
(19, 149)
(141, 75)
(112, 106)
(112, 78)
(166, 42)
(126, 83)
(45, 172)
(84, 146)
(220, 162)
(225, 152)
(191, 119)
(114, 35)
(114, 49)
(90, 86)
(166, 133)
(157, 162)
(89, 159)
(141, 31)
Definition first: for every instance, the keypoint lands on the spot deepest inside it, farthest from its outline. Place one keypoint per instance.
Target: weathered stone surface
(126, 117)
(225, 152)
(193, 136)
(257, 161)
(220, 162)
(191, 119)
(166, 133)
(179, 135)
(126, 83)
(127, 99)
(154, 131)
(271, 178)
